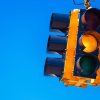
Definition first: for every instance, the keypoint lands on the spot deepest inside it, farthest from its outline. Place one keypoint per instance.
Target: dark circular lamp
(88, 64)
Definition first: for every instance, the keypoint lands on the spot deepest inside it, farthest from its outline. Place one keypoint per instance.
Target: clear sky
(24, 31)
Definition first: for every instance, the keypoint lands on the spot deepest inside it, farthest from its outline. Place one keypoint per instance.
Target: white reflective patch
(53, 75)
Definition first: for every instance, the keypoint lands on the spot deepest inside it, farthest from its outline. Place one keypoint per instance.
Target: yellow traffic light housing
(90, 40)
(80, 48)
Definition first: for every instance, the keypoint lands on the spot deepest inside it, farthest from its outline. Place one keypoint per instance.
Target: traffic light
(79, 47)
(57, 44)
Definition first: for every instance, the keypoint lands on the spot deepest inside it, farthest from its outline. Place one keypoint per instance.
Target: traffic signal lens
(59, 22)
(54, 67)
(91, 19)
(88, 64)
(89, 43)
(57, 44)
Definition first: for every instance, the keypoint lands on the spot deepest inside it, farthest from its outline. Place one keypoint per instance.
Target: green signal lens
(88, 64)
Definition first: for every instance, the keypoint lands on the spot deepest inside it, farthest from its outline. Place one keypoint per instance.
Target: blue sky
(24, 31)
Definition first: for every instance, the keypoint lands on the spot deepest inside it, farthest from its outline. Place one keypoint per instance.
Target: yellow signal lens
(89, 42)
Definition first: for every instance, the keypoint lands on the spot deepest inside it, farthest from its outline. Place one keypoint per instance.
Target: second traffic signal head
(57, 44)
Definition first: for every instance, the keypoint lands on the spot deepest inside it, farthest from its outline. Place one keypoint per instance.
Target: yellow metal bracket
(68, 77)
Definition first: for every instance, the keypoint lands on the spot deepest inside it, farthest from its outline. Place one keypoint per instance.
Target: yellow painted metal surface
(68, 77)
(71, 45)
